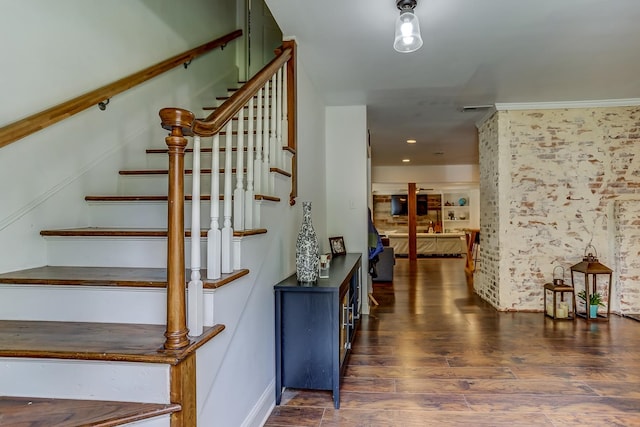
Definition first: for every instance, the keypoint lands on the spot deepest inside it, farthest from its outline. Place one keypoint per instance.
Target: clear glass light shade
(408, 38)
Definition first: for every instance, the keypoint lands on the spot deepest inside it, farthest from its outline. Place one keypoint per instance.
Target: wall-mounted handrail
(36, 122)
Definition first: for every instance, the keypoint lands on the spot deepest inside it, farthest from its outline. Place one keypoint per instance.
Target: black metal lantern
(591, 268)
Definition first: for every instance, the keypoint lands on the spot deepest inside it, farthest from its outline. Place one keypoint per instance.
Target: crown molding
(600, 103)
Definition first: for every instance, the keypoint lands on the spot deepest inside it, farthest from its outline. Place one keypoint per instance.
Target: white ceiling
(475, 52)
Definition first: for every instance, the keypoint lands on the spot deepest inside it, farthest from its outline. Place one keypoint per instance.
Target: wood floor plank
(391, 360)
(428, 372)
(602, 373)
(590, 419)
(483, 386)
(295, 416)
(396, 418)
(384, 385)
(553, 403)
(615, 388)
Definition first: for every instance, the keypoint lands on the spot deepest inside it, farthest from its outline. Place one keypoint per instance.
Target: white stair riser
(161, 161)
(114, 251)
(156, 185)
(161, 421)
(85, 379)
(102, 304)
(142, 214)
(83, 304)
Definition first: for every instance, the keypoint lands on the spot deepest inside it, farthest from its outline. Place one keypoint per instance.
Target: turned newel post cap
(177, 117)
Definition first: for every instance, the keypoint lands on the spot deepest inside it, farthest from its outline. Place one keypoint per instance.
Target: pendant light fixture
(408, 38)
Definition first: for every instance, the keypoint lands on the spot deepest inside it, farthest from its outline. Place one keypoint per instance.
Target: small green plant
(594, 299)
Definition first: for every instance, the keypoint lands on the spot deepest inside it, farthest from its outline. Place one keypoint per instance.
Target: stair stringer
(237, 370)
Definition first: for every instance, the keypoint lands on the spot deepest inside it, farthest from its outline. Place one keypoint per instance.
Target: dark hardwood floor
(432, 354)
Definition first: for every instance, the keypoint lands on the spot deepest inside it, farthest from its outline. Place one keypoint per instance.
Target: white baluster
(258, 160)
(273, 156)
(265, 143)
(227, 230)
(279, 151)
(237, 249)
(238, 194)
(249, 194)
(214, 236)
(195, 292)
(285, 121)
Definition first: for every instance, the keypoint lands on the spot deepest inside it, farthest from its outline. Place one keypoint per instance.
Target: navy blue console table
(315, 325)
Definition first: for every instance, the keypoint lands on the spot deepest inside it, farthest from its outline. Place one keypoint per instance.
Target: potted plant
(595, 300)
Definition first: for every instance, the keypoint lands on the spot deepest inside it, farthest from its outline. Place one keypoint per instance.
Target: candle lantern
(559, 309)
(592, 269)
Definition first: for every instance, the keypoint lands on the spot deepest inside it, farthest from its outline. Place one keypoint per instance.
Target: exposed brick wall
(487, 276)
(564, 170)
(627, 254)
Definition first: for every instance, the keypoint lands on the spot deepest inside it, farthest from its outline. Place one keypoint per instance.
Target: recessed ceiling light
(406, 160)
(411, 141)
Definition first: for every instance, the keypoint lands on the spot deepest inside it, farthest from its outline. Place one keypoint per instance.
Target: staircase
(83, 340)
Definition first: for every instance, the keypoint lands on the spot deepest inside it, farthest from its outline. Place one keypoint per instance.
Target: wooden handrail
(219, 118)
(216, 120)
(36, 122)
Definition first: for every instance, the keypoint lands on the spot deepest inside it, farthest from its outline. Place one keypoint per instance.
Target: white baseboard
(263, 407)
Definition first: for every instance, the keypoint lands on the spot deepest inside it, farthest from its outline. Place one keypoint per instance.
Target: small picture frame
(337, 246)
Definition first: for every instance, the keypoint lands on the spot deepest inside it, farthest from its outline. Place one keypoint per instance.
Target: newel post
(179, 122)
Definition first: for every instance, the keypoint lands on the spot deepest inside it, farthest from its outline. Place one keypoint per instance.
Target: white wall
(346, 178)
(54, 51)
(440, 176)
(311, 156)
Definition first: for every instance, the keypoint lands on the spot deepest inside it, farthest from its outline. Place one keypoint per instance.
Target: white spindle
(227, 230)
(195, 292)
(285, 121)
(273, 157)
(237, 249)
(249, 194)
(279, 158)
(238, 194)
(214, 237)
(265, 143)
(258, 160)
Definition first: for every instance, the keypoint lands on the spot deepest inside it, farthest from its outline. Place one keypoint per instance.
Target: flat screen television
(400, 205)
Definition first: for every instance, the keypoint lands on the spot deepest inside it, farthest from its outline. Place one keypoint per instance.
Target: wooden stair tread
(131, 232)
(108, 276)
(129, 198)
(138, 172)
(190, 150)
(27, 411)
(164, 171)
(94, 341)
